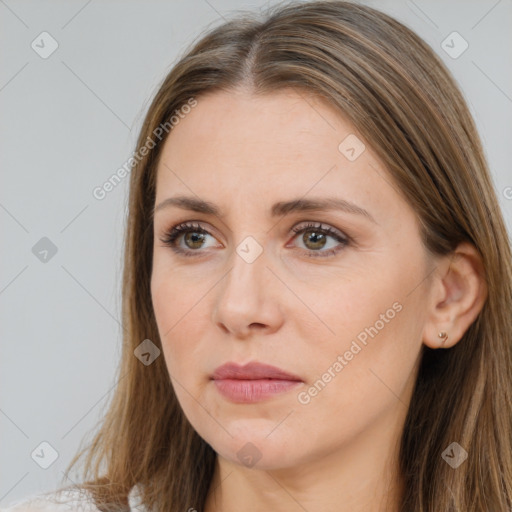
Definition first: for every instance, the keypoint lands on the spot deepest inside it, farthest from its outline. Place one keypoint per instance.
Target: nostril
(257, 324)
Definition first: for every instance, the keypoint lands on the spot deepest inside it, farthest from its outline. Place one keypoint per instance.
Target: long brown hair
(399, 95)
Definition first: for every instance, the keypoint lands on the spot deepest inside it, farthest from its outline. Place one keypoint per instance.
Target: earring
(443, 336)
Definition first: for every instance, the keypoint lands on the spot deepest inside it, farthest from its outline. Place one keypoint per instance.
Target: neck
(361, 475)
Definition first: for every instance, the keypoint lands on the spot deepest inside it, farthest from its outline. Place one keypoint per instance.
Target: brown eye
(193, 239)
(315, 238)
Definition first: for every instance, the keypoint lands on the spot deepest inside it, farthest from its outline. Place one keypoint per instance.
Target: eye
(194, 237)
(315, 238)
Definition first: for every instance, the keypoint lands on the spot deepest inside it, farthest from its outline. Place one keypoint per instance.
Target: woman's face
(339, 303)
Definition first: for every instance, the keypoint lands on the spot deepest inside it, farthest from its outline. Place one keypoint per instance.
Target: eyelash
(175, 232)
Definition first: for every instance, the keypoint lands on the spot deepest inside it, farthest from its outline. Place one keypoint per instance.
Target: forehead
(267, 134)
(243, 151)
(248, 118)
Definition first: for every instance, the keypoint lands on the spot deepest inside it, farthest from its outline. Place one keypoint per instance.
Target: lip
(252, 371)
(252, 382)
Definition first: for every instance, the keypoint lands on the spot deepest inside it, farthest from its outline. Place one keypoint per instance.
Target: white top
(64, 501)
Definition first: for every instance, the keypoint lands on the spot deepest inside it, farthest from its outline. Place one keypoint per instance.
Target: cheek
(181, 317)
(168, 309)
(376, 296)
(367, 363)
(173, 294)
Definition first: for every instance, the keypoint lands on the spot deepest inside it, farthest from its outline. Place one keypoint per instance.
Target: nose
(247, 299)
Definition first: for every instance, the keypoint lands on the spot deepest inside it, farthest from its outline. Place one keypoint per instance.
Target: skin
(293, 310)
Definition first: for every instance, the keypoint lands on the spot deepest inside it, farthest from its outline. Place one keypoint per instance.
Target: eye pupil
(318, 239)
(194, 237)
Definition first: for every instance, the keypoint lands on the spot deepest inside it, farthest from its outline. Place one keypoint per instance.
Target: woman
(318, 266)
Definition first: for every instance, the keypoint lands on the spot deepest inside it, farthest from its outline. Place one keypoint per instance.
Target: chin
(254, 448)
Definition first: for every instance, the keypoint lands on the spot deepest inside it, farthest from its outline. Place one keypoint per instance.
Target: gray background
(68, 122)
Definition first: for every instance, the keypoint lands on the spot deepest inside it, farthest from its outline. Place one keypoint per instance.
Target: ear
(458, 293)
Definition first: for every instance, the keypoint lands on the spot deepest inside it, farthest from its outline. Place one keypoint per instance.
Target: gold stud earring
(443, 336)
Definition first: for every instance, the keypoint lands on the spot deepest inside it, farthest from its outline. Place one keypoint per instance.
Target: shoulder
(68, 500)
(64, 500)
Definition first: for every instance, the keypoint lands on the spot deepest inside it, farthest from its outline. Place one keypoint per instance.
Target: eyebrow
(278, 209)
